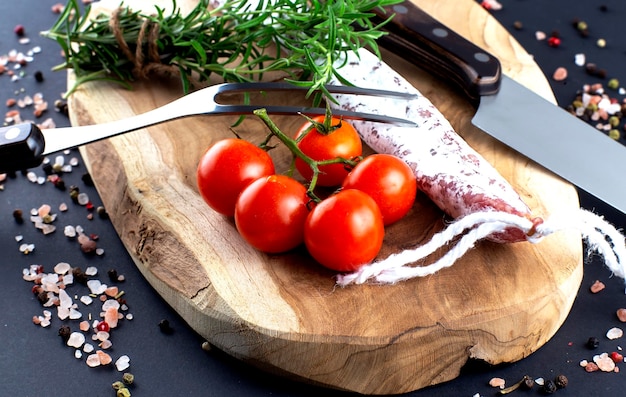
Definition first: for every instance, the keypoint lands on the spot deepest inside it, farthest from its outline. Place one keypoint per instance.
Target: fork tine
(334, 89)
(310, 111)
(292, 110)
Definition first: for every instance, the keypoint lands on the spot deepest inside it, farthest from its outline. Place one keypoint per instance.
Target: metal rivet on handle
(440, 32)
(12, 133)
(400, 9)
(481, 57)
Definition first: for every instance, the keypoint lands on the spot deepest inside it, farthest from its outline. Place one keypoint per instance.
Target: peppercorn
(518, 25)
(528, 383)
(593, 343)
(561, 381)
(79, 275)
(128, 378)
(601, 43)
(65, 332)
(38, 76)
(614, 121)
(74, 191)
(548, 387)
(614, 134)
(112, 275)
(613, 84)
(117, 385)
(42, 297)
(87, 180)
(18, 215)
(165, 327)
(19, 30)
(102, 212)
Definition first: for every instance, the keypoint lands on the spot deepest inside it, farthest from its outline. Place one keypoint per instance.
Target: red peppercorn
(617, 357)
(19, 30)
(554, 41)
(103, 326)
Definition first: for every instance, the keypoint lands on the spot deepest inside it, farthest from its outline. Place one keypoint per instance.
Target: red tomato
(341, 142)
(389, 181)
(345, 231)
(226, 168)
(270, 213)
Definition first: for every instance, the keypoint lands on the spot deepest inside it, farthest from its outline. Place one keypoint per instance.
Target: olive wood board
(284, 313)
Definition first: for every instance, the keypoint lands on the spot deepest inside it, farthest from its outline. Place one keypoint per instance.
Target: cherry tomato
(345, 231)
(270, 213)
(342, 142)
(389, 181)
(226, 168)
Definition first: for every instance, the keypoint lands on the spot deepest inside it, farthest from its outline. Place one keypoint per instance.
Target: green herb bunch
(304, 39)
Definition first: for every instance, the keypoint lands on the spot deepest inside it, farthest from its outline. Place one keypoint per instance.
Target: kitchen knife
(508, 111)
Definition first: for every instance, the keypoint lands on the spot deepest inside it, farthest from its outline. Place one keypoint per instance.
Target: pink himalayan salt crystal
(84, 326)
(604, 362)
(122, 363)
(614, 333)
(597, 286)
(93, 360)
(43, 210)
(559, 74)
(112, 291)
(76, 339)
(621, 314)
(104, 357)
(111, 317)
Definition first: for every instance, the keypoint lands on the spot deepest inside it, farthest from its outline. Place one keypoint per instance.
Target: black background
(35, 362)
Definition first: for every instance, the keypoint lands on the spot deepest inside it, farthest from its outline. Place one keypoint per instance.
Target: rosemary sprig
(304, 39)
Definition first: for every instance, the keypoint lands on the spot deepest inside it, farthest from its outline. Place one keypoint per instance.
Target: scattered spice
(165, 327)
(497, 382)
(561, 381)
(614, 333)
(621, 314)
(616, 357)
(548, 387)
(597, 286)
(559, 74)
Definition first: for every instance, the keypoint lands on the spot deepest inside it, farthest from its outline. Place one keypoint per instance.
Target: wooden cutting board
(284, 313)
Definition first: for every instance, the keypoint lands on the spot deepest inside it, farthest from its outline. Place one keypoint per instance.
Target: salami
(451, 173)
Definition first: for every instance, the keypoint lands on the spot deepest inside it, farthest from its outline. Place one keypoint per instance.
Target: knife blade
(506, 110)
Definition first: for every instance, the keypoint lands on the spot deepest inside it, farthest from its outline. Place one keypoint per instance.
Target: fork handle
(21, 147)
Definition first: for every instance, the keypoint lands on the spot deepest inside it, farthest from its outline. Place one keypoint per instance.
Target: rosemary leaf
(306, 40)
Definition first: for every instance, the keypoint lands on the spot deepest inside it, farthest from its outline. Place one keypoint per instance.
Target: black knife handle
(427, 43)
(21, 147)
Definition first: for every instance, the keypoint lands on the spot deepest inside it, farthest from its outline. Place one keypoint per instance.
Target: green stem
(292, 145)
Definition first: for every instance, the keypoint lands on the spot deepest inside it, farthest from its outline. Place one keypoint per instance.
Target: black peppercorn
(528, 383)
(112, 275)
(86, 178)
(560, 381)
(79, 275)
(65, 332)
(42, 297)
(548, 387)
(593, 343)
(18, 216)
(165, 327)
(38, 76)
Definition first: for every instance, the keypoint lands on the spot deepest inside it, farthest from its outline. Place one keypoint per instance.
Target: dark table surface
(34, 361)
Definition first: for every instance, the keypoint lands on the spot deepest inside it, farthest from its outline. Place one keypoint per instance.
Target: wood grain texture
(283, 313)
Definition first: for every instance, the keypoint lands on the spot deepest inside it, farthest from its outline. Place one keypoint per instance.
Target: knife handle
(434, 47)
(21, 147)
